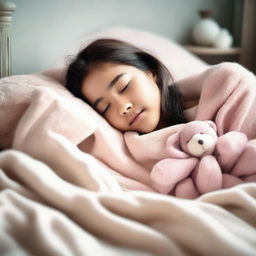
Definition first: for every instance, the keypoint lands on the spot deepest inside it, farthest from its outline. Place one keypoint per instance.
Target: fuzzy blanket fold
(229, 98)
(42, 214)
(69, 182)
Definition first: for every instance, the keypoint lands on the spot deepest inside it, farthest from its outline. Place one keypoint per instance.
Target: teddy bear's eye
(201, 133)
(187, 141)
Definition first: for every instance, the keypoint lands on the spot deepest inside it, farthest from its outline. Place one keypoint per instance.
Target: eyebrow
(111, 84)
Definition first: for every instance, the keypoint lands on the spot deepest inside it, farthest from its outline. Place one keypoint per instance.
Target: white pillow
(178, 60)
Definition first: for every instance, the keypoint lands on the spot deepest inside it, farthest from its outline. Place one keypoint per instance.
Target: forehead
(100, 75)
(104, 71)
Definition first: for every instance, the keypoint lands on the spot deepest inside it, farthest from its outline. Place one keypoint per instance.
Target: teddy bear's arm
(208, 175)
(228, 149)
(246, 164)
(168, 172)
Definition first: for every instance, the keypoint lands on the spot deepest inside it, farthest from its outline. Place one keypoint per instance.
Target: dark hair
(116, 51)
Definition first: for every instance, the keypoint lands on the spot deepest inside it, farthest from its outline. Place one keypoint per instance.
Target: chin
(148, 129)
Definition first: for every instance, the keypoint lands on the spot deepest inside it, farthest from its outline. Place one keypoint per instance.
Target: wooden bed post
(248, 56)
(6, 10)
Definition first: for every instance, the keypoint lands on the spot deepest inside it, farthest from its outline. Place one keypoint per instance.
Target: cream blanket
(69, 187)
(42, 214)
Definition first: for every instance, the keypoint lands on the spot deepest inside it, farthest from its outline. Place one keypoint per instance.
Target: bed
(73, 185)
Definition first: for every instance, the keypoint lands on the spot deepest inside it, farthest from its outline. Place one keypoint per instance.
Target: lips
(135, 116)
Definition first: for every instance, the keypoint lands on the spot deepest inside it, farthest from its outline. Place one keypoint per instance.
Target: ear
(212, 124)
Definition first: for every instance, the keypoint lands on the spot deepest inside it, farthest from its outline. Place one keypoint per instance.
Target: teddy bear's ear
(173, 147)
(212, 124)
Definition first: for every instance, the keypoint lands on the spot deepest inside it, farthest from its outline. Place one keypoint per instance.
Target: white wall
(44, 29)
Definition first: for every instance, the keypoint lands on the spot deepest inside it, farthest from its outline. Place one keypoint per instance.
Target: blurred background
(43, 30)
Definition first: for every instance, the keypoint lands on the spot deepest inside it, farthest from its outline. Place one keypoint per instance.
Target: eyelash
(105, 110)
(125, 88)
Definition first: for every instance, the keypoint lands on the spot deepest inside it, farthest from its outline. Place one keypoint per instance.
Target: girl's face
(126, 96)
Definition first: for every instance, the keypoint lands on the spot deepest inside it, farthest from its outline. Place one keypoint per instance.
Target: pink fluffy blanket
(53, 126)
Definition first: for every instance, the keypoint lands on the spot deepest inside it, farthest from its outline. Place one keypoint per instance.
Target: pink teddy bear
(198, 159)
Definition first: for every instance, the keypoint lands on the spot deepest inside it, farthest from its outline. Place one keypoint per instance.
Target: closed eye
(106, 109)
(126, 86)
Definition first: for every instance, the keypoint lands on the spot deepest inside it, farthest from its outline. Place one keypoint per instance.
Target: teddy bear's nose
(201, 142)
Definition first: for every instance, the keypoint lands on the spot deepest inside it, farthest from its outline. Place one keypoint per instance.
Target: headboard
(6, 10)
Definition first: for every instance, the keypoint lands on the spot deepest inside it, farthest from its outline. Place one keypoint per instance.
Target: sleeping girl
(132, 89)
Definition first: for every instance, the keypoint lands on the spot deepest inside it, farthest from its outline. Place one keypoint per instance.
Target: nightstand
(215, 55)
(245, 54)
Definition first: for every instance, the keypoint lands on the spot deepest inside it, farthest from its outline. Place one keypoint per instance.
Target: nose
(124, 110)
(201, 142)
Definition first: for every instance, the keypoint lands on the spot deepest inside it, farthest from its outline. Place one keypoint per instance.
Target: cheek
(115, 120)
(148, 91)
(153, 98)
